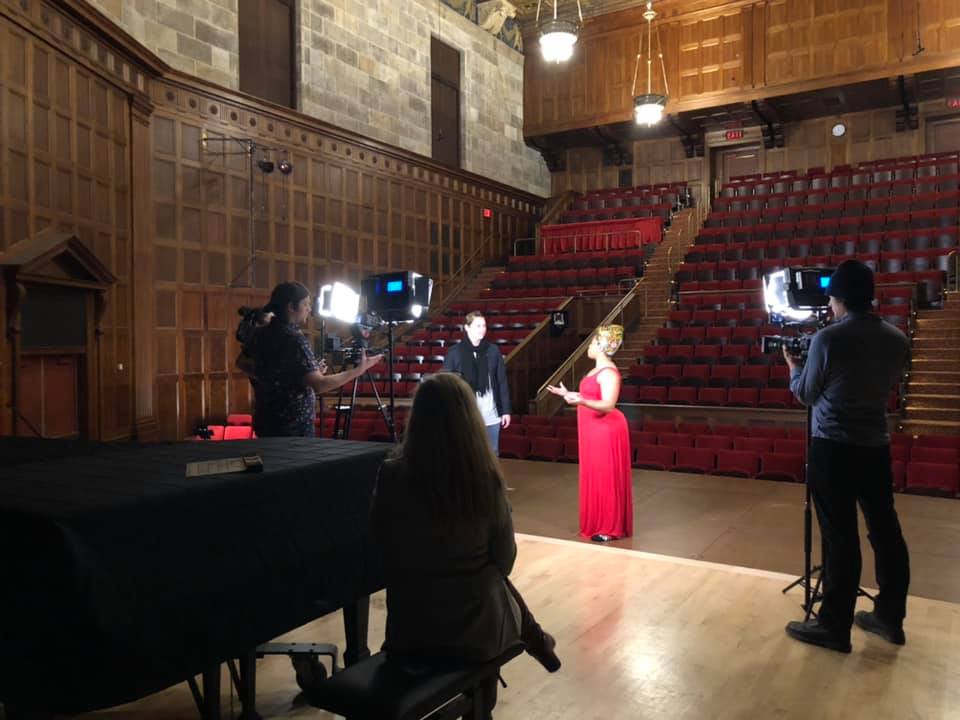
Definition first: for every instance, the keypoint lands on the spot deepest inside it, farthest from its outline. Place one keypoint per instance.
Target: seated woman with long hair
(446, 542)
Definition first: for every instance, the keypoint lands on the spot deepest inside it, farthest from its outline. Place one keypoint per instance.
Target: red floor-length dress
(606, 491)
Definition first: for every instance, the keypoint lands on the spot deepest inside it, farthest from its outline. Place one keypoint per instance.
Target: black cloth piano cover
(121, 577)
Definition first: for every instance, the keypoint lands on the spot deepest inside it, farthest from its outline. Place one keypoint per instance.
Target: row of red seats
(577, 260)
(879, 171)
(715, 375)
(713, 300)
(894, 212)
(917, 241)
(755, 283)
(734, 326)
(451, 337)
(774, 398)
(454, 321)
(611, 210)
(228, 432)
(551, 278)
(854, 229)
(635, 190)
(746, 397)
(711, 276)
(899, 196)
(774, 258)
(558, 291)
(507, 307)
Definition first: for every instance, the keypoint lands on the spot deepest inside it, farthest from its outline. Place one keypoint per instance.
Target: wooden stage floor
(648, 636)
(684, 620)
(748, 523)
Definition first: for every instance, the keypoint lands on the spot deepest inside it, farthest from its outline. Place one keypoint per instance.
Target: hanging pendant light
(557, 37)
(648, 108)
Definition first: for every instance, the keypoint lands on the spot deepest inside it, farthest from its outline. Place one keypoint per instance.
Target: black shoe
(599, 537)
(871, 623)
(543, 652)
(814, 633)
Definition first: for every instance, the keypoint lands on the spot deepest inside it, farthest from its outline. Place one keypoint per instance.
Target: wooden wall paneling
(341, 215)
(728, 51)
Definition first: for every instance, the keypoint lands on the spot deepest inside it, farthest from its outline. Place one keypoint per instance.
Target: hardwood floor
(646, 636)
(750, 523)
(684, 620)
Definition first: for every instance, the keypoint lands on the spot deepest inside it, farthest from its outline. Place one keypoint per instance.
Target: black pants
(840, 477)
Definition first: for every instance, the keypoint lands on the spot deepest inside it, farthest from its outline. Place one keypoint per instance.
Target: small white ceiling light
(648, 108)
(557, 37)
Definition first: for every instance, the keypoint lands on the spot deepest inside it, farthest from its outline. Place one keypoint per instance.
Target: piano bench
(371, 689)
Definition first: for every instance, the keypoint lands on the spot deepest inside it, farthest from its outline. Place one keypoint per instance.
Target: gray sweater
(851, 367)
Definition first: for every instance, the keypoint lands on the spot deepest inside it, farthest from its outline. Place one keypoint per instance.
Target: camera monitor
(397, 296)
(796, 294)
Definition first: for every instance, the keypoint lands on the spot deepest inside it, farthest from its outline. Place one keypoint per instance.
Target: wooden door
(445, 103)
(943, 135)
(48, 395)
(266, 43)
(739, 161)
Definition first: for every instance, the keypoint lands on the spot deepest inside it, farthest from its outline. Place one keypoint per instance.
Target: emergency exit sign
(734, 134)
(487, 213)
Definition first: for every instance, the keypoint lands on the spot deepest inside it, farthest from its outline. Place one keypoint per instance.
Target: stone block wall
(364, 65)
(198, 37)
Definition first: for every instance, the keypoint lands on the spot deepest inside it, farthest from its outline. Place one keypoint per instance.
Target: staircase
(656, 284)
(932, 403)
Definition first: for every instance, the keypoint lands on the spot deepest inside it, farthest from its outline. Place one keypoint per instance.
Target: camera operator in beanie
(846, 378)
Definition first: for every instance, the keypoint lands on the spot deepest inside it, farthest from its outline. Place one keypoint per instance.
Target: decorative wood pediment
(55, 258)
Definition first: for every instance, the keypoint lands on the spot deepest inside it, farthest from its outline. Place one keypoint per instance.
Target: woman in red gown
(606, 491)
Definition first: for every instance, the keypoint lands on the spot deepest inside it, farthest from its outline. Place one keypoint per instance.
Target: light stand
(811, 593)
(249, 148)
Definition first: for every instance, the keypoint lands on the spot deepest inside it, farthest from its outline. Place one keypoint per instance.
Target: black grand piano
(120, 576)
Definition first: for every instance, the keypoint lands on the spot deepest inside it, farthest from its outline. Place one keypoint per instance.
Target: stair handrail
(553, 208)
(581, 350)
(466, 266)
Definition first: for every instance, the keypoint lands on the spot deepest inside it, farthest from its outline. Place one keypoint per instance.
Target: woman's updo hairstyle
(284, 295)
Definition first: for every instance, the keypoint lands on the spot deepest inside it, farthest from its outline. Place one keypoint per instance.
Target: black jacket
(453, 362)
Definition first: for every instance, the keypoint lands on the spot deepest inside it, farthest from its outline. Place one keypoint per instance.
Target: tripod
(345, 412)
(811, 590)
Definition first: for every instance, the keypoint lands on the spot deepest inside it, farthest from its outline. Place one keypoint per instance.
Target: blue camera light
(824, 282)
(394, 286)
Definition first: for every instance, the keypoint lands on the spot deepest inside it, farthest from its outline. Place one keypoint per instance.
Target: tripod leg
(387, 417)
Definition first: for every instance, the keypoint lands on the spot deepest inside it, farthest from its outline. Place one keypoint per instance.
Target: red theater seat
(776, 466)
(737, 463)
(653, 457)
(714, 442)
(545, 448)
(694, 460)
(514, 446)
(935, 477)
(238, 432)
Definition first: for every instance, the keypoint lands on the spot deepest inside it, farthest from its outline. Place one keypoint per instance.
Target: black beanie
(852, 282)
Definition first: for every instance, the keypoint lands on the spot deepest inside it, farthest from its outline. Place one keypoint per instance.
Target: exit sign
(734, 134)
(953, 103)
(487, 213)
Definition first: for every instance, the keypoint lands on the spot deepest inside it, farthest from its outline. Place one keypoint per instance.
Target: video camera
(795, 297)
(251, 318)
(347, 354)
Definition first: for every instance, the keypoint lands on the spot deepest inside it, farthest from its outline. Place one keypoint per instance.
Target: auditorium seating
(899, 216)
(925, 464)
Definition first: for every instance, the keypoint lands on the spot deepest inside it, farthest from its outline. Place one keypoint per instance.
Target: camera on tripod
(795, 297)
(347, 354)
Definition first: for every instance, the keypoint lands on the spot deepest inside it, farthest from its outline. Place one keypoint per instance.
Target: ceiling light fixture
(648, 108)
(557, 37)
